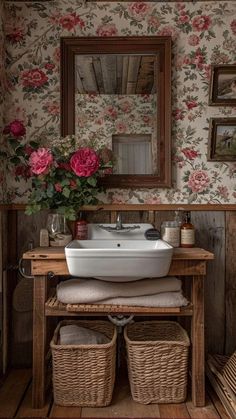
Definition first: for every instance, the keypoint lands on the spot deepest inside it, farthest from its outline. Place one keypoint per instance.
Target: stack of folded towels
(154, 292)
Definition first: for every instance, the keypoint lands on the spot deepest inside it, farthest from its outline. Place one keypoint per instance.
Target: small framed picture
(222, 139)
(223, 85)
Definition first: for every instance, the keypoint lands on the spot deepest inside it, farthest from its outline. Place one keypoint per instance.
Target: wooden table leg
(39, 341)
(197, 332)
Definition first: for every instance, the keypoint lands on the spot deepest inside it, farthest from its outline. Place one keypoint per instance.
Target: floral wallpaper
(202, 34)
(98, 117)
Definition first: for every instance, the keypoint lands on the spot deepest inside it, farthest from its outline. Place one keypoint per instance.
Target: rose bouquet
(64, 176)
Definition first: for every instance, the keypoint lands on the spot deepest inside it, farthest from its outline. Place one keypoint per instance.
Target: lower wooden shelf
(53, 307)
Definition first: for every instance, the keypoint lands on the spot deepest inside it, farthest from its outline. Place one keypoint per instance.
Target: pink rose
(201, 23)
(34, 78)
(189, 153)
(58, 187)
(40, 161)
(85, 162)
(49, 66)
(73, 184)
(53, 108)
(168, 31)
(15, 128)
(191, 104)
(198, 181)
(233, 26)
(110, 111)
(70, 21)
(121, 126)
(154, 22)
(183, 18)
(15, 29)
(223, 191)
(139, 10)
(178, 114)
(193, 40)
(109, 29)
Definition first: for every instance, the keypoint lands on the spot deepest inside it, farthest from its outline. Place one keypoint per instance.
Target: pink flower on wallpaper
(178, 114)
(111, 112)
(85, 162)
(125, 106)
(155, 200)
(191, 104)
(108, 29)
(15, 30)
(139, 10)
(183, 18)
(190, 153)
(168, 31)
(198, 59)
(193, 40)
(70, 21)
(207, 71)
(53, 108)
(121, 126)
(223, 191)
(153, 22)
(33, 78)
(201, 23)
(40, 161)
(198, 181)
(58, 187)
(233, 26)
(99, 121)
(15, 128)
(147, 120)
(49, 66)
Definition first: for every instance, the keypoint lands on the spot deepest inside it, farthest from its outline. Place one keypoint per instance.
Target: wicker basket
(157, 361)
(84, 375)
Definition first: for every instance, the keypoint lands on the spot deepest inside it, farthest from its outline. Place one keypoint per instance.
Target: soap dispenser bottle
(187, 232)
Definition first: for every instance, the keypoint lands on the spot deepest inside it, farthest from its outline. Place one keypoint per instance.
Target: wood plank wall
(215, 231)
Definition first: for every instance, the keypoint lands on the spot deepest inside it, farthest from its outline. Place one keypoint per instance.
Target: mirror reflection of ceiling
(116, 74)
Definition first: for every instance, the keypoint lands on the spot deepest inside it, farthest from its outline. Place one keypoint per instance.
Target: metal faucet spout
(119, 222)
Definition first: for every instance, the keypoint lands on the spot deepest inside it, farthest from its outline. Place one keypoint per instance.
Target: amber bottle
(187, 232)
(81, 227)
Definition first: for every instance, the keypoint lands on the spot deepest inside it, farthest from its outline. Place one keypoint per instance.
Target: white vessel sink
(124, 256)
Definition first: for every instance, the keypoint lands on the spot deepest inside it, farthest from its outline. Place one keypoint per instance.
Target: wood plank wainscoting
(215, 231)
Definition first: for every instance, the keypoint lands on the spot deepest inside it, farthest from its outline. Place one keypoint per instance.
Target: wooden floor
(15, 402)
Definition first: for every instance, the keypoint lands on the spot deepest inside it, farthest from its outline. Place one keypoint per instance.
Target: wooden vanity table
(46, 262)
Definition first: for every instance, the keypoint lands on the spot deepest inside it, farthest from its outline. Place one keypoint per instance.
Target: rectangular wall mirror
(118, 91)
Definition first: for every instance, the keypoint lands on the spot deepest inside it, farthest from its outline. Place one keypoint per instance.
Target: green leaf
(66, 192)
(92, 181)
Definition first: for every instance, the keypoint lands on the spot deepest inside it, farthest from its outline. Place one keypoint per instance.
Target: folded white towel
(78, 335)
(86, 291)
(164, 299)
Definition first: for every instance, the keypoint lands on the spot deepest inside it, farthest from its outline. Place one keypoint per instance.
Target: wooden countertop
(194, 253)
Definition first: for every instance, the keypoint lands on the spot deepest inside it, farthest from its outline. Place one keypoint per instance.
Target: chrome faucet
(119, 222)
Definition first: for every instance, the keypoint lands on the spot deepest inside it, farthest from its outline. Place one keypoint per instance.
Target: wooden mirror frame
(160, 46)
